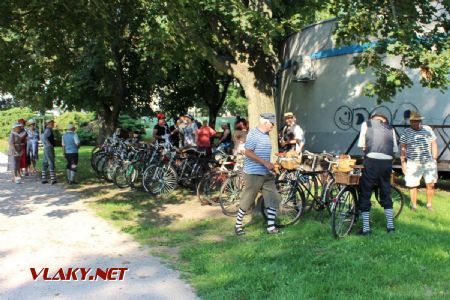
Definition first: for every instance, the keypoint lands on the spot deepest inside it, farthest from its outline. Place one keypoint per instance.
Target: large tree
(416, 31)
(243, 38)
(80, 54)
(194, 84)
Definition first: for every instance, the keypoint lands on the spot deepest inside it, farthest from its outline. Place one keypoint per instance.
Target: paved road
(45, 226)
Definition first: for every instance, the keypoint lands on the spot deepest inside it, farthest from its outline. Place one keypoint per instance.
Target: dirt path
(45, 226)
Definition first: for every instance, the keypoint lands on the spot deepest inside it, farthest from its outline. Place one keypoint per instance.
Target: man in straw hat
(258, 174)
(70, 144)
(378, 142)
(48, 141)
(418, 154)
(292, 136)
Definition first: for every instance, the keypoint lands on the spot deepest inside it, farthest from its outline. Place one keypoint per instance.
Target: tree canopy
(117, 56)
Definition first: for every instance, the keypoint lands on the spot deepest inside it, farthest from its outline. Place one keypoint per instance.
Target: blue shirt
(70, 141)
(258, 142)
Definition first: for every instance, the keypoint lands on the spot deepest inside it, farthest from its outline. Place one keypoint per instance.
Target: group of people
(24, 151)
(186, 132)
(418, 155)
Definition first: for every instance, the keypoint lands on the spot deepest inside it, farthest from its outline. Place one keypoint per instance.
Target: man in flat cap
(418, 155)
(70, 144)
(292, 136)
(258, 174)
(48, 141)
(378, 142)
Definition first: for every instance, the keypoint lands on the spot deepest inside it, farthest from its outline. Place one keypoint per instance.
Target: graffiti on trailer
(346, 118)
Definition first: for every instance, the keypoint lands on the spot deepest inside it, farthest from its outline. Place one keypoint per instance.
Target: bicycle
(344, 214)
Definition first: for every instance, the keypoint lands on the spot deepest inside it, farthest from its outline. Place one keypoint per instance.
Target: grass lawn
(4, 145)
(305, 262)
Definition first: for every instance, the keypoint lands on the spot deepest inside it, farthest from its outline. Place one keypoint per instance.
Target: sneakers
(414, 208)
(44, 181)
(54, 182)
(390, 230)
(364, 233)
(430, 208)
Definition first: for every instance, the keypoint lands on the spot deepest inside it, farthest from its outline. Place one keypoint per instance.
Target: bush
(79, 119)
(84, 122)
(131, 124)
(8, 117)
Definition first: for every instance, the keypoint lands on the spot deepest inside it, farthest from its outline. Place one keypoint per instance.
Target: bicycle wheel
(329, 194)
(344, 212)
(397, 199)
(110, 168)
(208, 189)
(100, 165)
(310, 188)
(120, 179)
(230, 194)
(159, 179)
(291, 206)
(133, 175)
(95, 156)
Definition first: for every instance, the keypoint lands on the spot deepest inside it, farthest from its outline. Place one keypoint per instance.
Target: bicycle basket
(347, 178)
(344, 164)
(291, 161)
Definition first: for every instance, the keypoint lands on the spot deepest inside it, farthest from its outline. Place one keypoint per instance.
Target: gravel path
(45, 226)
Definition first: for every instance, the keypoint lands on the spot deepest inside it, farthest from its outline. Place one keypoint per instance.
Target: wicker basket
(346, 178)
(291, 161)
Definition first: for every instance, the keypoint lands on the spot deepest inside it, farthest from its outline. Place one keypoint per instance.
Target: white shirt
(375, 155)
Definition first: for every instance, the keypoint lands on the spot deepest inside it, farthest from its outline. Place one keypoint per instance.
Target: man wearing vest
(48, 141)
(70, 144)
(378, 142)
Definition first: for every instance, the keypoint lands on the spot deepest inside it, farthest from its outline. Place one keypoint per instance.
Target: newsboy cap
(269, 116)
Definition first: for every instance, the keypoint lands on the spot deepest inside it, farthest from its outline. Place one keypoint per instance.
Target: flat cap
(269, 116)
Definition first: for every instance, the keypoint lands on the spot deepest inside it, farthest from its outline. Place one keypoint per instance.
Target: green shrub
(8, 117)
(85, 124)
(79, 119)
(131, 124)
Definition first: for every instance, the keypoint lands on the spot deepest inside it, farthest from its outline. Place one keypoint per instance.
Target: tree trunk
(108, 120)
(111, 111)
(260, 97)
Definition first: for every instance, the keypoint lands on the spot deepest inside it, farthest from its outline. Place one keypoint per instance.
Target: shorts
(415, 170)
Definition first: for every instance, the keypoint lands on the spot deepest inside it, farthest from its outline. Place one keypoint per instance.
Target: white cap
(16, 124)
(70, 126)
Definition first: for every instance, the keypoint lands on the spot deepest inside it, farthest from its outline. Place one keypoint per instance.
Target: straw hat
(416, 116)
(289, 115)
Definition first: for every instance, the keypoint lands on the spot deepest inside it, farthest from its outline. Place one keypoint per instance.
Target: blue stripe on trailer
(342, 50)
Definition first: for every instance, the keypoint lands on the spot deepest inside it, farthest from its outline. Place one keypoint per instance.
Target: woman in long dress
(32, 146)
(14, 153)
(23, 144)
